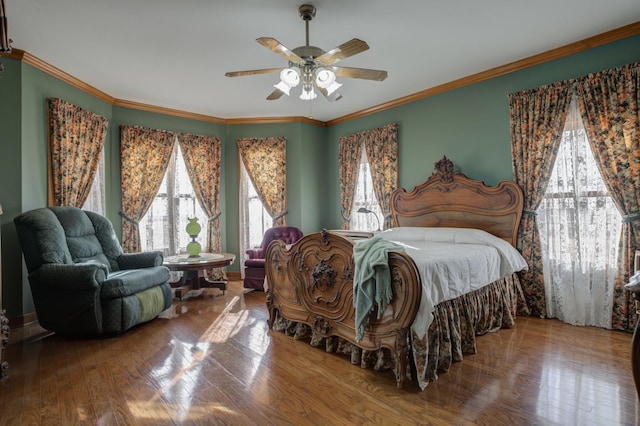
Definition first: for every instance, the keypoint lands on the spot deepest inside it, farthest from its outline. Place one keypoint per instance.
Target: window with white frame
(254, 218)
(366, 214)
(164, 226)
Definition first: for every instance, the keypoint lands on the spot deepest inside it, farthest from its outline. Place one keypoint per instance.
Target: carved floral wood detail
(444, 169)
(324, 276)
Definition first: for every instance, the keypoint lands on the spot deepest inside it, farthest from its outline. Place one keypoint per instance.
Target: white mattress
(453, 262)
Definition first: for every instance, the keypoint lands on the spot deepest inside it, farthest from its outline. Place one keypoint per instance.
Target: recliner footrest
(128, 282)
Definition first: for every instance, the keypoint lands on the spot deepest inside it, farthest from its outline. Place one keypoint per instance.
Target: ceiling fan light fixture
(325, 77)
(308, 94)
(290, 77)
(335, 86)
(312, 67)
(283, 87)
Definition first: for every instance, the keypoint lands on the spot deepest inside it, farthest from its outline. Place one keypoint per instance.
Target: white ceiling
(174, 54)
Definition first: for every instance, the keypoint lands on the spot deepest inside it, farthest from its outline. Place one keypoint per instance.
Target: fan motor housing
(308, 52)
(307, 12)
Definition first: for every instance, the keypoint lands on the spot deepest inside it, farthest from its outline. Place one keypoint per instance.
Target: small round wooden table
(192, 268)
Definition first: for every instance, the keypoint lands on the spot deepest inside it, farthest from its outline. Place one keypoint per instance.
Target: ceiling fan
(311, 66)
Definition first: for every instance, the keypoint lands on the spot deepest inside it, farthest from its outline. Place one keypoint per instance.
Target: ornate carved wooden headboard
(449, 199)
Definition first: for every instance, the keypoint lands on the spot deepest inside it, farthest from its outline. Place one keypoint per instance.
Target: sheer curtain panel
(579, 229)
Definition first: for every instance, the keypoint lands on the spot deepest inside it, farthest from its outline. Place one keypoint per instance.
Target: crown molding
(53, 71)
(272, 120)
(167, 111)
(569, 49)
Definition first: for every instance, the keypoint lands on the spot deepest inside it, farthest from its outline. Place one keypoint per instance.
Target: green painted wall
(470, 125)
(312, 173)
(10, 178)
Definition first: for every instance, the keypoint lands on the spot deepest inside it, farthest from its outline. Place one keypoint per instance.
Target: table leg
(220, 284)
(186, 284)
(195, 280)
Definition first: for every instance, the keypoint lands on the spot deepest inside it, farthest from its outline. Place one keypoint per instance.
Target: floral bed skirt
(451, 335)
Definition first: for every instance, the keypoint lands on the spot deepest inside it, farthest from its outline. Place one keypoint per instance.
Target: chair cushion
(254, 263)
(42, 238)
(131, 281)
(288, 234)
(82, 238)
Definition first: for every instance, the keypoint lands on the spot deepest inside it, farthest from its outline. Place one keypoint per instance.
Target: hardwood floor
(212, 360)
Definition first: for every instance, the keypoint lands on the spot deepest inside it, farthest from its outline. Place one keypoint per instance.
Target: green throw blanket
(372, 279)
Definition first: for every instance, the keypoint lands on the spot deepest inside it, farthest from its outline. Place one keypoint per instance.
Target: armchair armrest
(77, 277)
(67, 296)
(257, 253)
(145, 259)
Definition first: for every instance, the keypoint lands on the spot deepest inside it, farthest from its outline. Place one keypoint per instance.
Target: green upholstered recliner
(81, 281)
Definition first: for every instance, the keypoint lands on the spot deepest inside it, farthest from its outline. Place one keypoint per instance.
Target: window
(163, 227)
(254, 219)
(365, 198)
(579, 231)
(95, 200)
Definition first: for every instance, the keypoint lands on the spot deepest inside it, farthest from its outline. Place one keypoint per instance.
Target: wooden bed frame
(312, 281)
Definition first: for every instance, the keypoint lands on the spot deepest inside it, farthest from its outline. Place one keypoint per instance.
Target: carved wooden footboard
(312, 283)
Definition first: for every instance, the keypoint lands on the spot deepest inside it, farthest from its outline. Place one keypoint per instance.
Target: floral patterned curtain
(76, 139)
(202, 157)
(537, 119)
(608, 103)
(144, 154)
(5, 41)
(381, 145)
(349, 152)
(266, 162)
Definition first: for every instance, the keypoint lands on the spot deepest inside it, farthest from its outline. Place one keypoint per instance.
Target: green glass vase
(194, 248)
(193, 229)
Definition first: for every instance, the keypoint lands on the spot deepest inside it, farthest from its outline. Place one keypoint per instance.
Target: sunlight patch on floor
(157, 411)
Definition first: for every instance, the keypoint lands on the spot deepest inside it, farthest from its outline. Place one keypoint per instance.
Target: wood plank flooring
(212, 360)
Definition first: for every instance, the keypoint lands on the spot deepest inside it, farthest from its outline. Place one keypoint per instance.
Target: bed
(310, 285)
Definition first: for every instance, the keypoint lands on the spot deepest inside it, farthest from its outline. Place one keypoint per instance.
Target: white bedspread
(452, 262)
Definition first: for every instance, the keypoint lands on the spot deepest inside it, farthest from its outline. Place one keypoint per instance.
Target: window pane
(164, 225)
(259, 219)
(365, 198)
(95, 200)
(254, 219)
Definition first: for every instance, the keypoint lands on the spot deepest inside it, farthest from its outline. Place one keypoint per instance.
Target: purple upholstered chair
(254, 265)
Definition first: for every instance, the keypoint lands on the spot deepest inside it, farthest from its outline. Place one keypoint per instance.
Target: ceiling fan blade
(252, 72)
(345, 50)
(335, 96)
(276, 94)
(277, 47)
(363, 73)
